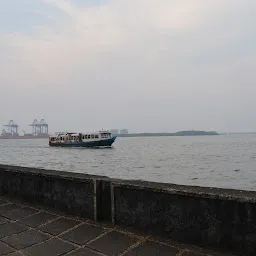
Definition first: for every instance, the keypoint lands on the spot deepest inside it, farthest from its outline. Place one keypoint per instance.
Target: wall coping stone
(185, 190)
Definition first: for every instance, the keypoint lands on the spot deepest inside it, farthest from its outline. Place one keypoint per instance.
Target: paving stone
(101, 224)
(20, 213)
(8, 207)
(83, 234)
(3, 220)
(25, 239)
(37, 219)
(11, 228)
(51, 247)
(4, 248)
(56, 227)
(34, 243)
(188, 253)
(152, 249)
(112, 243)
(84, 252)
(15, 254)
(2, 201)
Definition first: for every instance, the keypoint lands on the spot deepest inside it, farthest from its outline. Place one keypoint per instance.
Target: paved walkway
(26, 230)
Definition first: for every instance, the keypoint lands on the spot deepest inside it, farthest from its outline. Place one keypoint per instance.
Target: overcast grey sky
(145, 65)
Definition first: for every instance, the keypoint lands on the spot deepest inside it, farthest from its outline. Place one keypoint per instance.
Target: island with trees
(180, 133)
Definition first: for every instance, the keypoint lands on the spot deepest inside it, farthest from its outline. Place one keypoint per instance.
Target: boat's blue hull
(90, 144)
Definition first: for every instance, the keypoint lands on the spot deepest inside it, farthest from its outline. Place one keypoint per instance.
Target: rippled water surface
(220, 161)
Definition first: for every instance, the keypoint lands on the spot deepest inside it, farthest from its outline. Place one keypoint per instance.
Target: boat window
(88, 136)
(92, 136)
(96, 136)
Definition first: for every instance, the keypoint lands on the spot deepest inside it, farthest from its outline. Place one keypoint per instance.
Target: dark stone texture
(204, 221)
(112, 243)
(58, 226)
(8, 207)
(51, 247)
(187, 253)
(4, 248)
(11, 228)
(20, 213)
(15, 254)
(37, 219)
(25, 239)
(82, 234)
(3, 220)
(152, 249)
(84, 252)
(50, 188)
(3, 202)
(103, 193)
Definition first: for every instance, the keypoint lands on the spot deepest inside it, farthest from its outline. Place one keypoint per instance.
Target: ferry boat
(89, 140)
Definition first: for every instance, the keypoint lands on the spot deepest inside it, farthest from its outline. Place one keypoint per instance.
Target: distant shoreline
(181, 133)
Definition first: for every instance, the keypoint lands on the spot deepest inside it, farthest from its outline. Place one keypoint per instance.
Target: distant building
(124, 131)
(114, 131)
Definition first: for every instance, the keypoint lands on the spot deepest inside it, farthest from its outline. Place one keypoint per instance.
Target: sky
(147, 65)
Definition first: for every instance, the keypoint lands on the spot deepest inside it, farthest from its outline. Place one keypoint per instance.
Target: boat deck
(27, 229)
